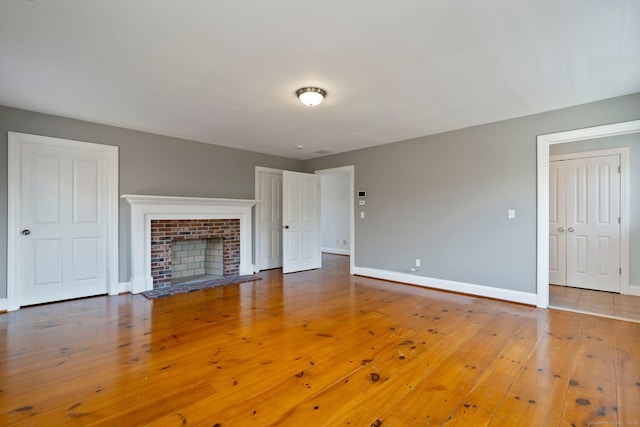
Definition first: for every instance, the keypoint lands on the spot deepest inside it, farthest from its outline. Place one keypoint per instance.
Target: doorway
(269, 216)
(287, 220)
(592, 139)
(338, 221)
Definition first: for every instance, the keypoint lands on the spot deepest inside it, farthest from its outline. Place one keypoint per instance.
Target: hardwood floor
(317, 348)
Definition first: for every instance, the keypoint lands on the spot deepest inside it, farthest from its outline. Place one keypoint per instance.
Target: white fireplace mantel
(145, 208)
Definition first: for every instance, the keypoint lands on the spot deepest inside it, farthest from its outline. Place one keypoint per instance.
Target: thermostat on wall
(362, 194)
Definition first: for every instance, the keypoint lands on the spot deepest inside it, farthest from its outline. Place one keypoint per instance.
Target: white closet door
(269, 212)
(64, 223)
(593, 228)
(557, 224)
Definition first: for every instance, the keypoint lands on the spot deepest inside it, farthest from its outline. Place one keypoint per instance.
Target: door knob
(560, 229)
(570, 229)
(286, 227)
(26, 232)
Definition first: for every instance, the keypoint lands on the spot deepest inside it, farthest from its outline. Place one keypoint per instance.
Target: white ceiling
(225, 72)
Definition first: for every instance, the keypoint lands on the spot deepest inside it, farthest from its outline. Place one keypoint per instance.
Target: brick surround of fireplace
(164, 232)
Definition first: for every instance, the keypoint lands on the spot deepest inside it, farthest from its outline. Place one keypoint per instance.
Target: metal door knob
(560, 229)
(570, 229)
(286, 227)
(26, 232)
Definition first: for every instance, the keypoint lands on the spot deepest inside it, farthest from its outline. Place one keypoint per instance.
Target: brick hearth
(164, 232)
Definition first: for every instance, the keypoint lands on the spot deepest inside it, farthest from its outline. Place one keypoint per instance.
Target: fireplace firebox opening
(200, 248)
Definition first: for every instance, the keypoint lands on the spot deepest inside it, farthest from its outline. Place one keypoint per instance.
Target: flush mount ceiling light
(311, 96)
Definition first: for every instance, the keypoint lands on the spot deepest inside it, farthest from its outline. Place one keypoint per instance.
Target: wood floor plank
(314, 348)
(591, 396)
(439, 392)
(480, 404)
(537, 395)
(627, 345)
(394, 383)
(330, 358)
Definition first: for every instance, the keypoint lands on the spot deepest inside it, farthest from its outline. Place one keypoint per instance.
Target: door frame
(14, 203)
(351, 171)
(625, 195)
(542, 238)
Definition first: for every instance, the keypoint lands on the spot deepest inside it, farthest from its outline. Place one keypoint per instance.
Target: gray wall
(633, 142)
(334, 203)
(149, 164)
(444, 198)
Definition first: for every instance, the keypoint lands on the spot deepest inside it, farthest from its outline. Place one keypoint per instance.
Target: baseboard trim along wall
(336, 251)
(124, 287)
(634, 290)
(449, 285)
(4, 304)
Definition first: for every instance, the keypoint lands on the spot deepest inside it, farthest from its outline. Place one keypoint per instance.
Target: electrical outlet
(417, 262)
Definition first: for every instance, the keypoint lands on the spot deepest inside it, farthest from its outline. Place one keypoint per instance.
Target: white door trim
(544, 142)
(351, 170)
(622, 151)
(14, 203)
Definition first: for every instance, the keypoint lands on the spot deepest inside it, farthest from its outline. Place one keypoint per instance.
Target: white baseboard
(246, 269)
(124, 287)
(634, 290)
(336, 251)
(449, 285)
(4, 304)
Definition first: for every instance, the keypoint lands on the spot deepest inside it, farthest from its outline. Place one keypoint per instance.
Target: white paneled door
(584, 223)
(269, 217)
(557, 224)
(64, 227)
(301, 222)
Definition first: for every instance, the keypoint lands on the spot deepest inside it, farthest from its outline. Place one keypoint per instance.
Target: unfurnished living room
(305, 213)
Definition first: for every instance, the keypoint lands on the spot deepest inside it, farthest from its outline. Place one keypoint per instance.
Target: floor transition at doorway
(596, 302)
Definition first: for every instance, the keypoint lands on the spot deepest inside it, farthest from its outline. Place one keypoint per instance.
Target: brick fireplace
(165, 232)
(156, 221)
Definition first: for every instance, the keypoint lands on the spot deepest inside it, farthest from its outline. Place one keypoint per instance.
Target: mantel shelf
(171, 200)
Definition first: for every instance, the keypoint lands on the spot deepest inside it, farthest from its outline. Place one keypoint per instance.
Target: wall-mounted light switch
(511, 213)
(361, 214)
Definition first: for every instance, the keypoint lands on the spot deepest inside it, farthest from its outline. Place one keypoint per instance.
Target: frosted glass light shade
(311, 96)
